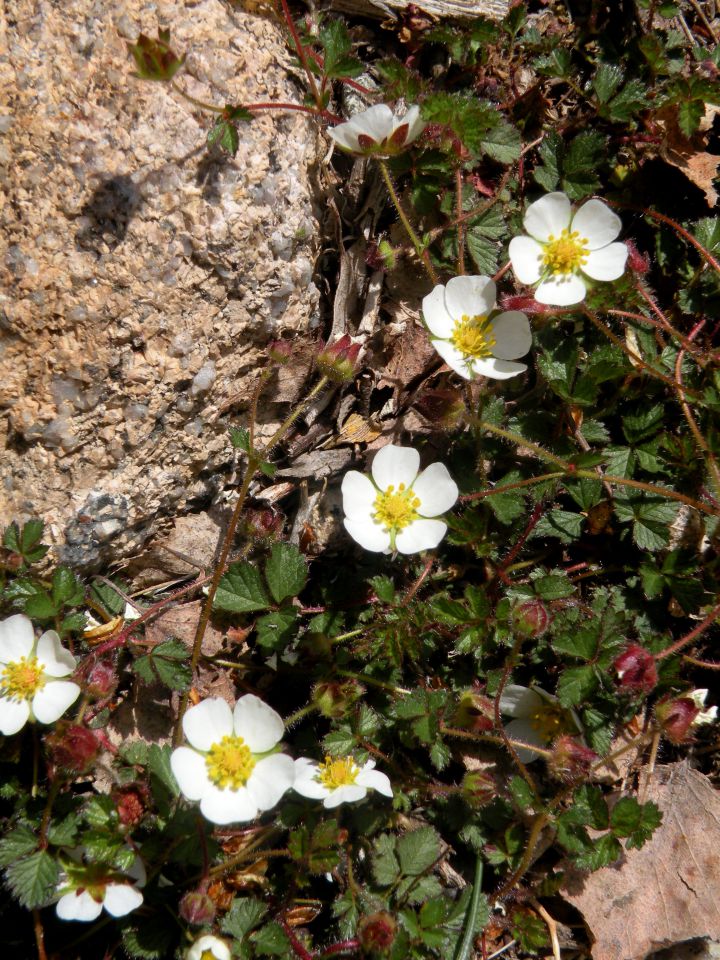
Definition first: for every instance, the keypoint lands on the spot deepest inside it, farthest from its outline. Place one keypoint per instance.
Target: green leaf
(563, 524)
(275, 630)
(575, 685)
(602, 852)
(244, 914)
(584, 158)
(607, 80)
(159, 766)
(272, 941)
(17, 844)
(224, 133)
(689, 115)
(33, 879)
(629, 101)
(285, 571)
(417, 851)
(521, 793)
(26, 542)
(66, 588)
(335, 40)
(483, 251)
(558, 63)
(40, 606)
(551, 152)
(62, 833)
(340, 741)
(154, 58)
(502, 143)
(240, 438)
(146, 939)
(385, 865)
(241, 590)
(628, 818)
(168, 662)
(651, 515)
(384, 588)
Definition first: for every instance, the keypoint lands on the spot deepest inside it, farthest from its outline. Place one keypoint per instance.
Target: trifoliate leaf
(168, 663)
(241, 590)
(33, 879)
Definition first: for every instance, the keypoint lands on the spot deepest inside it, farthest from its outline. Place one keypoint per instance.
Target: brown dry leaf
(702, 169)
(667, 892)
(181, 622)
(408, 356)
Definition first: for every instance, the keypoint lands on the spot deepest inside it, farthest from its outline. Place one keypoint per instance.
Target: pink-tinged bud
(334, 700)
(474, 712)
(377, 932)
(131, 802)
(531, 618)
(72, 749)
(338, 360)
(676, 718)
(197, 908)
(519, 302)
(638, 262)
(381, 256)
(280, 351)
(102, 680)
(570, 760)
(263, 523)
(445, 407)
(636, 670)
(478, 788)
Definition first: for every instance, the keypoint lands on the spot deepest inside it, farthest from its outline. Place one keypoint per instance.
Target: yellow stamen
(338, 773)
(22, 679)
(473, 336)
(566, 253)
(230, 763)
(396, 509)
(550, 720)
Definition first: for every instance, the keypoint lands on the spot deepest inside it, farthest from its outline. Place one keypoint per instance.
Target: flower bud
(280, 351)
(263, 523)
(381, 256)
(474, 712)
(154, 59)
(102, 680)
(570, 760)
(377, 931)
(131, 803)
(676, 718)
(636, 670)
(444, 407)
(531, 618)
(197, 908)
(478, 788)
(638, 262)
(334, 699)
(72, 749)
(524, 303)
(337, 360)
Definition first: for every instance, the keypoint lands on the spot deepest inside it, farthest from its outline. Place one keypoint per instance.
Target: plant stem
(692, 423)
(419, 249)
(39, 935)
(505, 487)
(689, 637)
(460, 225)
(465, 945)
(491, 738)
(194, 101)
(302, 56)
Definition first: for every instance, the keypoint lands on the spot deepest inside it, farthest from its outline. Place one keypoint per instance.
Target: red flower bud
(377, 931)
(334, 699)
(531, 618)
(280, 351)
(72, 748)
(636, 670)
(131, 803)
(337, 360)
(676, 717)
(638, 262)
(263, 523)
(474, 712)
(478, 788)
(197, 908)
(381, 256)
(570, 759)
(102, 680)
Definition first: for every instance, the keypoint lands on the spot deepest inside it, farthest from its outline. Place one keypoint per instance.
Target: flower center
(396, 509)
(338, 773)
(22, 678)
(550, 720)
(473, 336)
(230, 763)
(566, 253)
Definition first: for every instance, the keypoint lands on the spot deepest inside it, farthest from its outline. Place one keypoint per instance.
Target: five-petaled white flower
(31, 671)
(470, 335)
(336, 781)
(563, 245)
(209, 948)
(230, 765)
(393, 510)
(87, 888)
(705, 716)
(539, 718)
(378, 131)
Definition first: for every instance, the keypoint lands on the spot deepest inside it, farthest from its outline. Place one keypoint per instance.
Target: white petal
(395, 465)
(420, 535)
(270, 779)
(16, 638)
(526, 257)
(121, 898)
(498, 369)
(375, 780)
(14, 714)
(358, 495)
(517, 701)
(375, 122)
(228, 806)
(349, 794)
(190, 771)
(345, 135)
(436, 490)
(456, 360)
(521, 730)
(512, 335)
(306, 783)
(437, 319)
(56, 660)
(51, 702)
(209, 944)
(78, 906)
(257, 723)
(370, 535)
(414, 122)
(597, 223)
(548, 216)
(469, 296)
(608, 263)
(207, 723)
(563, 291)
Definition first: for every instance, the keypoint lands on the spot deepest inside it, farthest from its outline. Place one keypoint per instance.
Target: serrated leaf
(224, 134)
(275, 630)
(575, 685)
(66, 588)
(18, 843)
(244, 914)
(168, 662)
(272, 941)
(607, 80)
(521, 793)
(418, 850)
(159, 766)
(483, 251)
(241, 590)
(285, 571)
(563, 524)
(502, 143)
(240, 438)
(385, 864)
(384, 588)
(33, 879)
(689, 115)
(603, 851)
(146, 939)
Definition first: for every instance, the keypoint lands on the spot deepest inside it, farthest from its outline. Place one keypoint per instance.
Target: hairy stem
(419, 248)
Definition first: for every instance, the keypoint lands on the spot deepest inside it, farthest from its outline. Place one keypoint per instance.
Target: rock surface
(143, 276)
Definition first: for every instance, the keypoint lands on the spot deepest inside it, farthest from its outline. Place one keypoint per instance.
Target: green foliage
(166, 662)
(26, 542)
(33, 879)
(155, 59)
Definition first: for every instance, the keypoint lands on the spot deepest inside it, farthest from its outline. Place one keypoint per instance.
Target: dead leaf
(701, 169)
(181, 622)
(667, 892)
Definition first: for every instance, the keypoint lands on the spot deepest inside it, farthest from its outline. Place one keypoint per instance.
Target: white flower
(391, 510)
(466, 334)
(208, 948)
(86, 889)
(539, 718)
(338, 781)
(30, 672)
(230, 766)
(705, 716)
(563, 245)
(378, 131)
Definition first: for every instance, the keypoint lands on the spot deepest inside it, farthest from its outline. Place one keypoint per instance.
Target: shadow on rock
(105, 218)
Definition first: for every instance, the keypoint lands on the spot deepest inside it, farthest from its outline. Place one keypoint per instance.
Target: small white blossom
(208, 948)
(705, 716)
(470, 335)
(539, 718)
(565, 246)
(378, 131)
(394, 509)
(230, 766)
(31, 672)
(337, 781)
(88, 888)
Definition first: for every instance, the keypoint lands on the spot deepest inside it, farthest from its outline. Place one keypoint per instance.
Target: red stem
(689, 637)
